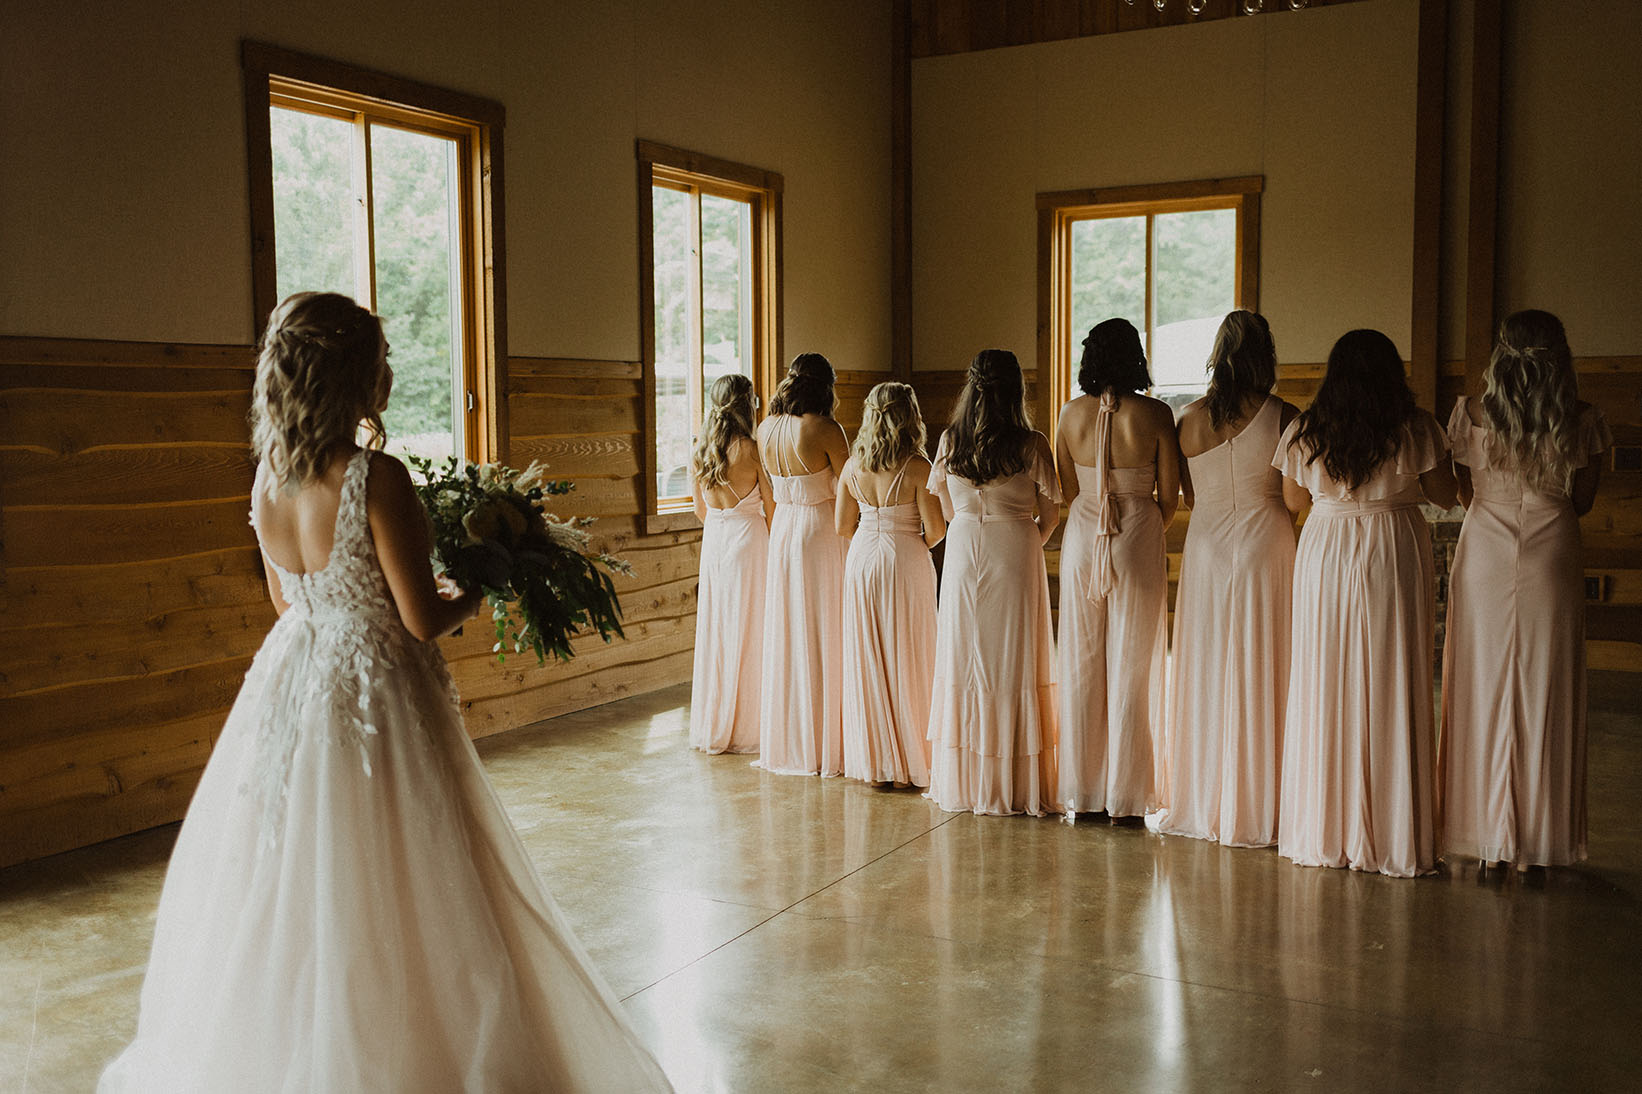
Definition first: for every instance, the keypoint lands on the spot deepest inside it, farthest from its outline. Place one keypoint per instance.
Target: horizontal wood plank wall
(131, 592)
(959, 26)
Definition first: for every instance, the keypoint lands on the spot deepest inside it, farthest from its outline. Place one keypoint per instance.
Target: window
(710, 302)
(380, 189)
(1171, 259)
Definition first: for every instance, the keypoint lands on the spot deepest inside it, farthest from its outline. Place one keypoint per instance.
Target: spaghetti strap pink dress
(992, 722)
(1512, 758)
(801, 729)
(1358, 785)
(1229, 671)
(889, 644)
(1114, 606)
(725, 691)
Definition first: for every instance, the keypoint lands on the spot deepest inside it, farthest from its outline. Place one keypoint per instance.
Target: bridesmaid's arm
(1065, 470)
(698, 496)
(1438, 484)
(1586, 480)
(1462, 477)
(1168, 466)
(1296, 497)
(766, 493)
(929, 508)
(846, 513)
(838, 449)
(1048, 508)
(400, 528)
(1187, 498)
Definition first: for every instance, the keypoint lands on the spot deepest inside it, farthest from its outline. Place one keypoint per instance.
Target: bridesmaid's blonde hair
(318, 375)
(729, 415)
(892, 428)
(1531, 401)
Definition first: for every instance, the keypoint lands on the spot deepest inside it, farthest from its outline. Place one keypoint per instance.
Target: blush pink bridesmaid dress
(1114, 605)
(1229, 670)
(801, 729)
(1512, 758)
(725, 690)
(889, 643)
(1358, 749)
(992, 723)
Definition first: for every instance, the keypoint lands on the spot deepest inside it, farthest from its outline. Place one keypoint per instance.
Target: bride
(347, 907)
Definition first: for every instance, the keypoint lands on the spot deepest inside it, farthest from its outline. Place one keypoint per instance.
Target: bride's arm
(400, 529)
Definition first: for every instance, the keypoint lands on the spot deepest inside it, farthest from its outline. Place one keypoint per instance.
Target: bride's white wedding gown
(348, 908)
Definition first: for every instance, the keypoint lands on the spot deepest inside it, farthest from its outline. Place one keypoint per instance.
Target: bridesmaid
(889, 591)
(1120, 469)
(732, 496)
(1229, 671)
(992, 717)
(801, 730)
(1512, 758)
(1357, 784)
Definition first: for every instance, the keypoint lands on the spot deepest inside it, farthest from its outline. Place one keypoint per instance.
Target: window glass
(1194, 286)
(314, 201)
(1108, 276)
(673, 254)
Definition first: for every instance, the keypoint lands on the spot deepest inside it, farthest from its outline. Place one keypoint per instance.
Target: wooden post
(1483, 220)
(900, 199)
(1425, 350)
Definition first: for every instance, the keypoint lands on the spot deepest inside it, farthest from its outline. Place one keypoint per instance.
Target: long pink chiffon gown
(1114, 606)
(1358, 749)
(992, 723)
(889, 643)
(801, 729)
(1512, 757)
(1229, 670)
(725, 692)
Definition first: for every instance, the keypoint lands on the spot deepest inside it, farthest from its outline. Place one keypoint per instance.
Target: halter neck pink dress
(992, 723)
(889, 643)
(1228, 675)
(1358, 749)
(1512, 759)
(725, 691)
(801, 730)
(1114, 605)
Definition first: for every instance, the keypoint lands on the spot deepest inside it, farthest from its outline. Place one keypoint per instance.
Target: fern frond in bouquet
(492, 532)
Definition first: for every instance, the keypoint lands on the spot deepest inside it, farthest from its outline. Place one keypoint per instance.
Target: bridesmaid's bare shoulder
(1289, 413)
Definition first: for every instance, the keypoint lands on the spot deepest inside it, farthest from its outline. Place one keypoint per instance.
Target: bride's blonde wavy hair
(1531, 401)
(892, 428)
(318, 374)
(729, 415)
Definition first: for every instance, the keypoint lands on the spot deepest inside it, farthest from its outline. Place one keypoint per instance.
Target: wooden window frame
(281, 77)
(1058, 210)
(660, 164)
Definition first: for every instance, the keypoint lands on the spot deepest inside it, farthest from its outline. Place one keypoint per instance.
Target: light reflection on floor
(773, 933)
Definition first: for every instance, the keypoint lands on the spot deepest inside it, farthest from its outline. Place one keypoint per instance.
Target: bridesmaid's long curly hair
(1531, 400)
(892, 428)
(318, 374)
(1361, 406)
(1242, 363)
(807, 387)
(990, 428)
(729, 415)
(1113, 360)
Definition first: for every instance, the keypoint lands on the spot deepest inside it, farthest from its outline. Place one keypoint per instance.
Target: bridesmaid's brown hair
(990, 429)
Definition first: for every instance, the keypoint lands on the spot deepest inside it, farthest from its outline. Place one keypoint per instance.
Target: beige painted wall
(123, 199)
(1321, 103)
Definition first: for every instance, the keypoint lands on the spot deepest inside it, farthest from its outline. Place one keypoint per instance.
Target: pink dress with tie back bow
(1513, 699)
(725, 691)
(1114, 604)
(802, 729)
(992, 723)
(889, 643)
(1358, 748)
(1228, 675)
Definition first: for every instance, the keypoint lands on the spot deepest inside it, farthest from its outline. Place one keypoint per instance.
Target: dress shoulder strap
(352, 517)
(895, 483)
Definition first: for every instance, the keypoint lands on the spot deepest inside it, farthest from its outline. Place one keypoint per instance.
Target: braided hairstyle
(807, 387)
(1361, 405)
(1531, 401)
(990, 429)
(892, 428)
(729, 415)
(1242, 363)
(1113, 361)
(318, 375)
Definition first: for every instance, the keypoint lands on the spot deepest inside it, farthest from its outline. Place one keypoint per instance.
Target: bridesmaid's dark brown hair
(990, 429)
(1361, 406)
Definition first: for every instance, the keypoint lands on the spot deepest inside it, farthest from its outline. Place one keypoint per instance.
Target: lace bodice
(340, 637)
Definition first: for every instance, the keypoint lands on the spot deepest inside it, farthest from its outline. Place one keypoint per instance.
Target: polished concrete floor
(787, 934)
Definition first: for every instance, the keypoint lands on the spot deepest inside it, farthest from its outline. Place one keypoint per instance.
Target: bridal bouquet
(491, 531)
